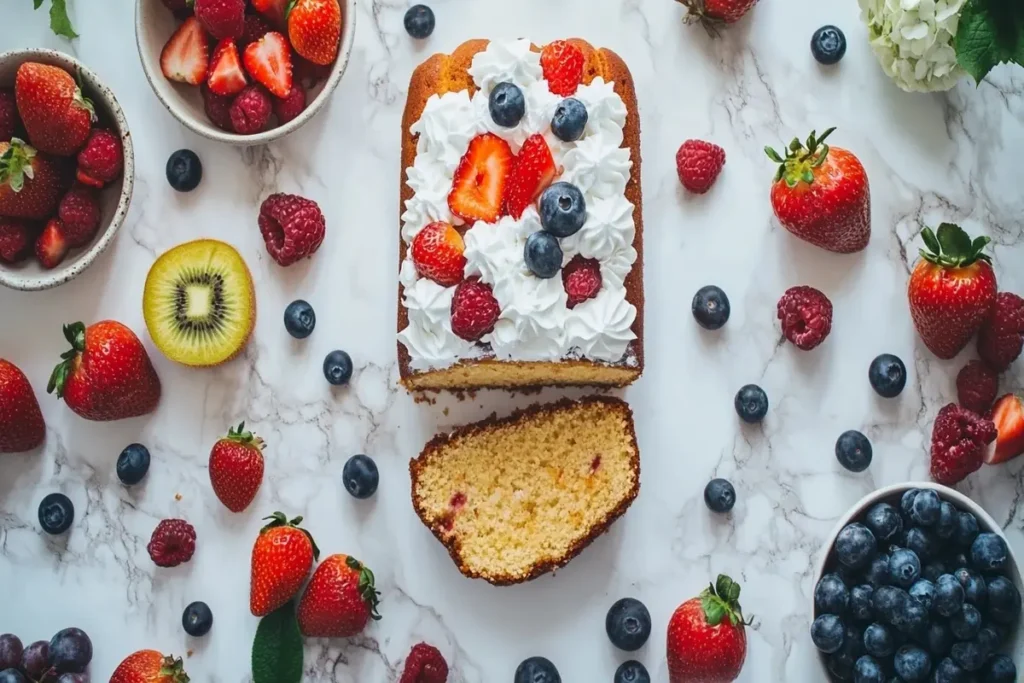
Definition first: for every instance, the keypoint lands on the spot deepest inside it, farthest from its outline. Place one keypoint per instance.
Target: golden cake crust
(435, 445)
(444, 73)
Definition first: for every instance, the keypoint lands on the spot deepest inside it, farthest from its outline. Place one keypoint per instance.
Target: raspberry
(291, 105)
(806, 316)
(10, 123)
(79, 211)
(582, 280)
(293, 227)
(221, 18)
(102, 158)
(254, 28)
(562, 64)
(16, 237)
(218, 109)
(308, 73)
(173, 542)
(425, 664)
(959, 438)
(474, 310)
(1002, 334)
(698, 164)
(251, 110)
(977, 386)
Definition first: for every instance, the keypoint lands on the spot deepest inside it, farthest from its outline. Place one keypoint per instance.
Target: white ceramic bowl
(1014, 646)
(154, 25)
(114, 199)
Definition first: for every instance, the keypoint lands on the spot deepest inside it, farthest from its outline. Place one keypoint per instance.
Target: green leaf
(953, 240)
(979, 244)
(727, 589)
(59, 22)
(277, 648)
(36, 4)
(773, 155)
(929, 241)
(714, 610)
(990, 32)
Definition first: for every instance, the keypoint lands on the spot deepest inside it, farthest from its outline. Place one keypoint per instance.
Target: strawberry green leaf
(714, 610)
(36, 4)
(277, 648)
(929, 241)
(953, 240)
(727, 589)
(990, 32)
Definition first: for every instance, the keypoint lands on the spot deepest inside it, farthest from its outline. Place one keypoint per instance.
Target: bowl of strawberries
(245, 72)
(66, 168)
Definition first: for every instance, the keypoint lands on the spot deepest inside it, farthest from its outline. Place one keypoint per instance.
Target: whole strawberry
(821, 195)
(952, 289)
(425, 664)
(712, 13)
(281, 559)
(21, 421)
(959, 441)
(707, 642)
(221, 18)
(236, 468)
(314, 29)
(339, 600)
(698, 164)
(31, 183)
(57, 116)
(101, 160)
(149, 666)
(107, 374)
(10, 122)
(1001, 336)
(562, 65)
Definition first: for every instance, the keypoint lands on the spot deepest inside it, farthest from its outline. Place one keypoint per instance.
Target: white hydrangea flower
(913, 40)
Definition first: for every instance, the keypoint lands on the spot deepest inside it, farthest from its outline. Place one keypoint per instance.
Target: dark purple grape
(35, 658)
(70, 651)
(10, 651)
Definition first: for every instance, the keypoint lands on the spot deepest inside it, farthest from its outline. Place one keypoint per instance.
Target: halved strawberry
(226, 74)
(275, 10)
(185, 57)
(1008, 415)
(532, 171)
(479, 184)
(562, 64)
(437, 253)
(51, 245)
(269, 61)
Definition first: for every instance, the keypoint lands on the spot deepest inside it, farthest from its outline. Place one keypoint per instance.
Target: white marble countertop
(930, 158)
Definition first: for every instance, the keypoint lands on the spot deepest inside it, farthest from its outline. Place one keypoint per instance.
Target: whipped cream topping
(535, 322)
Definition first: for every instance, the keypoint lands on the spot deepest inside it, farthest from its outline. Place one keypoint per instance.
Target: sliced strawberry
(269, 61)
(226, 74)
(562, 64)
(1008, 415)
(185, 56)
(438, 254)
(275, 10)
(51, 245)
(479, 184)
(532, 171)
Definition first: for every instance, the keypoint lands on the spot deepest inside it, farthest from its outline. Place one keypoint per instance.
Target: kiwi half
(199, 303)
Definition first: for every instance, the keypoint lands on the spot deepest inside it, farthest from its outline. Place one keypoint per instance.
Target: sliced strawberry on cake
(562, 64)
(532, 171)
(480, 179)
(438, 254)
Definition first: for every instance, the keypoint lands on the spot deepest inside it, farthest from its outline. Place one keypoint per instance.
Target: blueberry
(940, 638)
(543, 254)
(975, 589)
(632, 672)
(988, 640)
(956, 560)
(338, 368)
(968, 655)
(855, 545)
(840, 666)
(946, 525)
(907, 502)
(563, 210)
(988, 552)
(947, 671)
(966, 623)
(299, 319)
(184, 170)
(1000, 669)
(507, 104)
(966, 530)
(924, 591)
(827, 632)
(879, 640)
(846, 656)
(868, 670)
(570, 120)
(949, 596)
(888, 601)
(56, 513)
(710, 307)
(884, 521)
(860, 602)
(831, 596)
(537, 670)
(1003, 601)
(719, 495)
(933, 570)
(926, 508)
(912, 618)
(12, 676)
(904, 567)
(419, 21)
(912, 663)
(197, 619)
(360, 476)
(922, 543)
(751, 403)
(877, 573)
(70, 651)
(888, 375)
(628, 624)
(133, 464)
(853, 451)
(828, 45)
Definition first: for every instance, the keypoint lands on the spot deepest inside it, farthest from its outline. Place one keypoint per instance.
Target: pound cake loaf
(515, 498)
(521, 229)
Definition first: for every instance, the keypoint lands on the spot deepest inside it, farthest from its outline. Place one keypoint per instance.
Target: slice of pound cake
(515, 498)
(521, 232)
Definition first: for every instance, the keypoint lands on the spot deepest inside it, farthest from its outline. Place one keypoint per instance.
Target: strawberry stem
(279, 519)
(369, 593)
(16, 164)
(952, 247)
(720, 600)
(75, 334)
(801, 158)
(243, 437)
(697, 12)
(173, 669)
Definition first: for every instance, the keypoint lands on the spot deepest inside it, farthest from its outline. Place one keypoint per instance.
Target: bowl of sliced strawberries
(66, 168)
(245, 72)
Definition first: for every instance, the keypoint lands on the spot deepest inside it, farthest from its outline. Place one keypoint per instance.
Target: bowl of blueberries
(918, 584)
